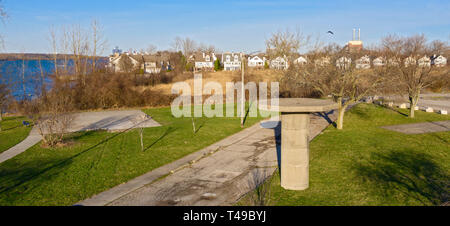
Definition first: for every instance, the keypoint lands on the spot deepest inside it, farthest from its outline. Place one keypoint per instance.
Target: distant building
(149, 64)
(301, 60)
(232, 61)
(155, 63)
(410, 61)
(343, 62)
(363, 62)
(322, 61)
(203, 61)
(256, 61)
(116, 51)
(424, 62)
(355, 45)
(279, 63)
(439, 61)
(116, 66)
(379, 62)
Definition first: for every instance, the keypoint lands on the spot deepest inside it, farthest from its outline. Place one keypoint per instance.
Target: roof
(224, 55)
(151, 58)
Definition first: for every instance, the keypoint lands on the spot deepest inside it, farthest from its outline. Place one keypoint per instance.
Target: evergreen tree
(217, 66)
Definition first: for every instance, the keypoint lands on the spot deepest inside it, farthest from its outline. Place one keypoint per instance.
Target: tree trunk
(193, 124)
(412, 109)
(340, 120)
(141, 133)
(413, 100)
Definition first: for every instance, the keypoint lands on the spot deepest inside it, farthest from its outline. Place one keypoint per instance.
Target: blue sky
(229, 25)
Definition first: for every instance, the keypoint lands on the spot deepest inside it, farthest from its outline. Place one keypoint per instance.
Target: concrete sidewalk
(32, 139)
(215, 176)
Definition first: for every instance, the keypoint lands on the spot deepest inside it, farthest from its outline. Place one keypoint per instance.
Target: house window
(228, 58)
(236, 58)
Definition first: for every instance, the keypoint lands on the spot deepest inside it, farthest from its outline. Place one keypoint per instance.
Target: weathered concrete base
(295, 151)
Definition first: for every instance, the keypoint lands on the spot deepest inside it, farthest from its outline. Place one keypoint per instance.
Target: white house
(204, 61)
(256, 61)
(231, 61)
(343, 62)
(409, 61)
(393, 61)
(439, 61)
(379, 62)
(322, 61)
(153, 64)
(363, 62)
(115, 65)
(424, 62)
(279, 63)
(301, 60)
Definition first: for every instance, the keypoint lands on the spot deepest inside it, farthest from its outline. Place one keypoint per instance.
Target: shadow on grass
(410, 173)
(247, 113)
(394, 110)
(201, 125)
(167, 132)
(15, 127)
(13, 179)
(325, 115)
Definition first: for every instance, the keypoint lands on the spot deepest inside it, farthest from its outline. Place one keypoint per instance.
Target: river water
(25, 78)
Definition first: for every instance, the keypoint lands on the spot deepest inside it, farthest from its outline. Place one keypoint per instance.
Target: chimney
(354, 34)
(359, 34)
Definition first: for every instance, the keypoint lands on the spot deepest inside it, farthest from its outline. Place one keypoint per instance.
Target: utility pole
(243, 90)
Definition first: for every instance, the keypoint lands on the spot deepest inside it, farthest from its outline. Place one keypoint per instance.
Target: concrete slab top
(304, 105)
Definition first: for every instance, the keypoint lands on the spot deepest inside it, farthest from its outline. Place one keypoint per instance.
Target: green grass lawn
(367, 165)
(97, 161)
(13, 132)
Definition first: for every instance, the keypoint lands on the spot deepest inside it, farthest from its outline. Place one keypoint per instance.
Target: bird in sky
(330, 32)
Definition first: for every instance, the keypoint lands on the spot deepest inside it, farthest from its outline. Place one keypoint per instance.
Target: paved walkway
(437, 101)
(86, 121)
(217, 175)
(32, 139)
(420, 128)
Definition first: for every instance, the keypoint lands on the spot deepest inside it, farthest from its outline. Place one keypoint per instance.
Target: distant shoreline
(35, 56)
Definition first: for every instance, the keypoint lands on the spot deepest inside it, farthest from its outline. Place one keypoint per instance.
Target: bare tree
(151, 49)
(4, 99)
(79, 47)
(335, 73)
(54, 43)
(98, 42)
(64, 44)
(186, 45)
(176, 44)
(3, 16)
(52, 114)
(206, 48)
(285, 43)
(125, 64)
(409, 63)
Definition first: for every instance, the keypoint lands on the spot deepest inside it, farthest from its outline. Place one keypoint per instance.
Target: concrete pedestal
(295, 151)
(295, 139)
